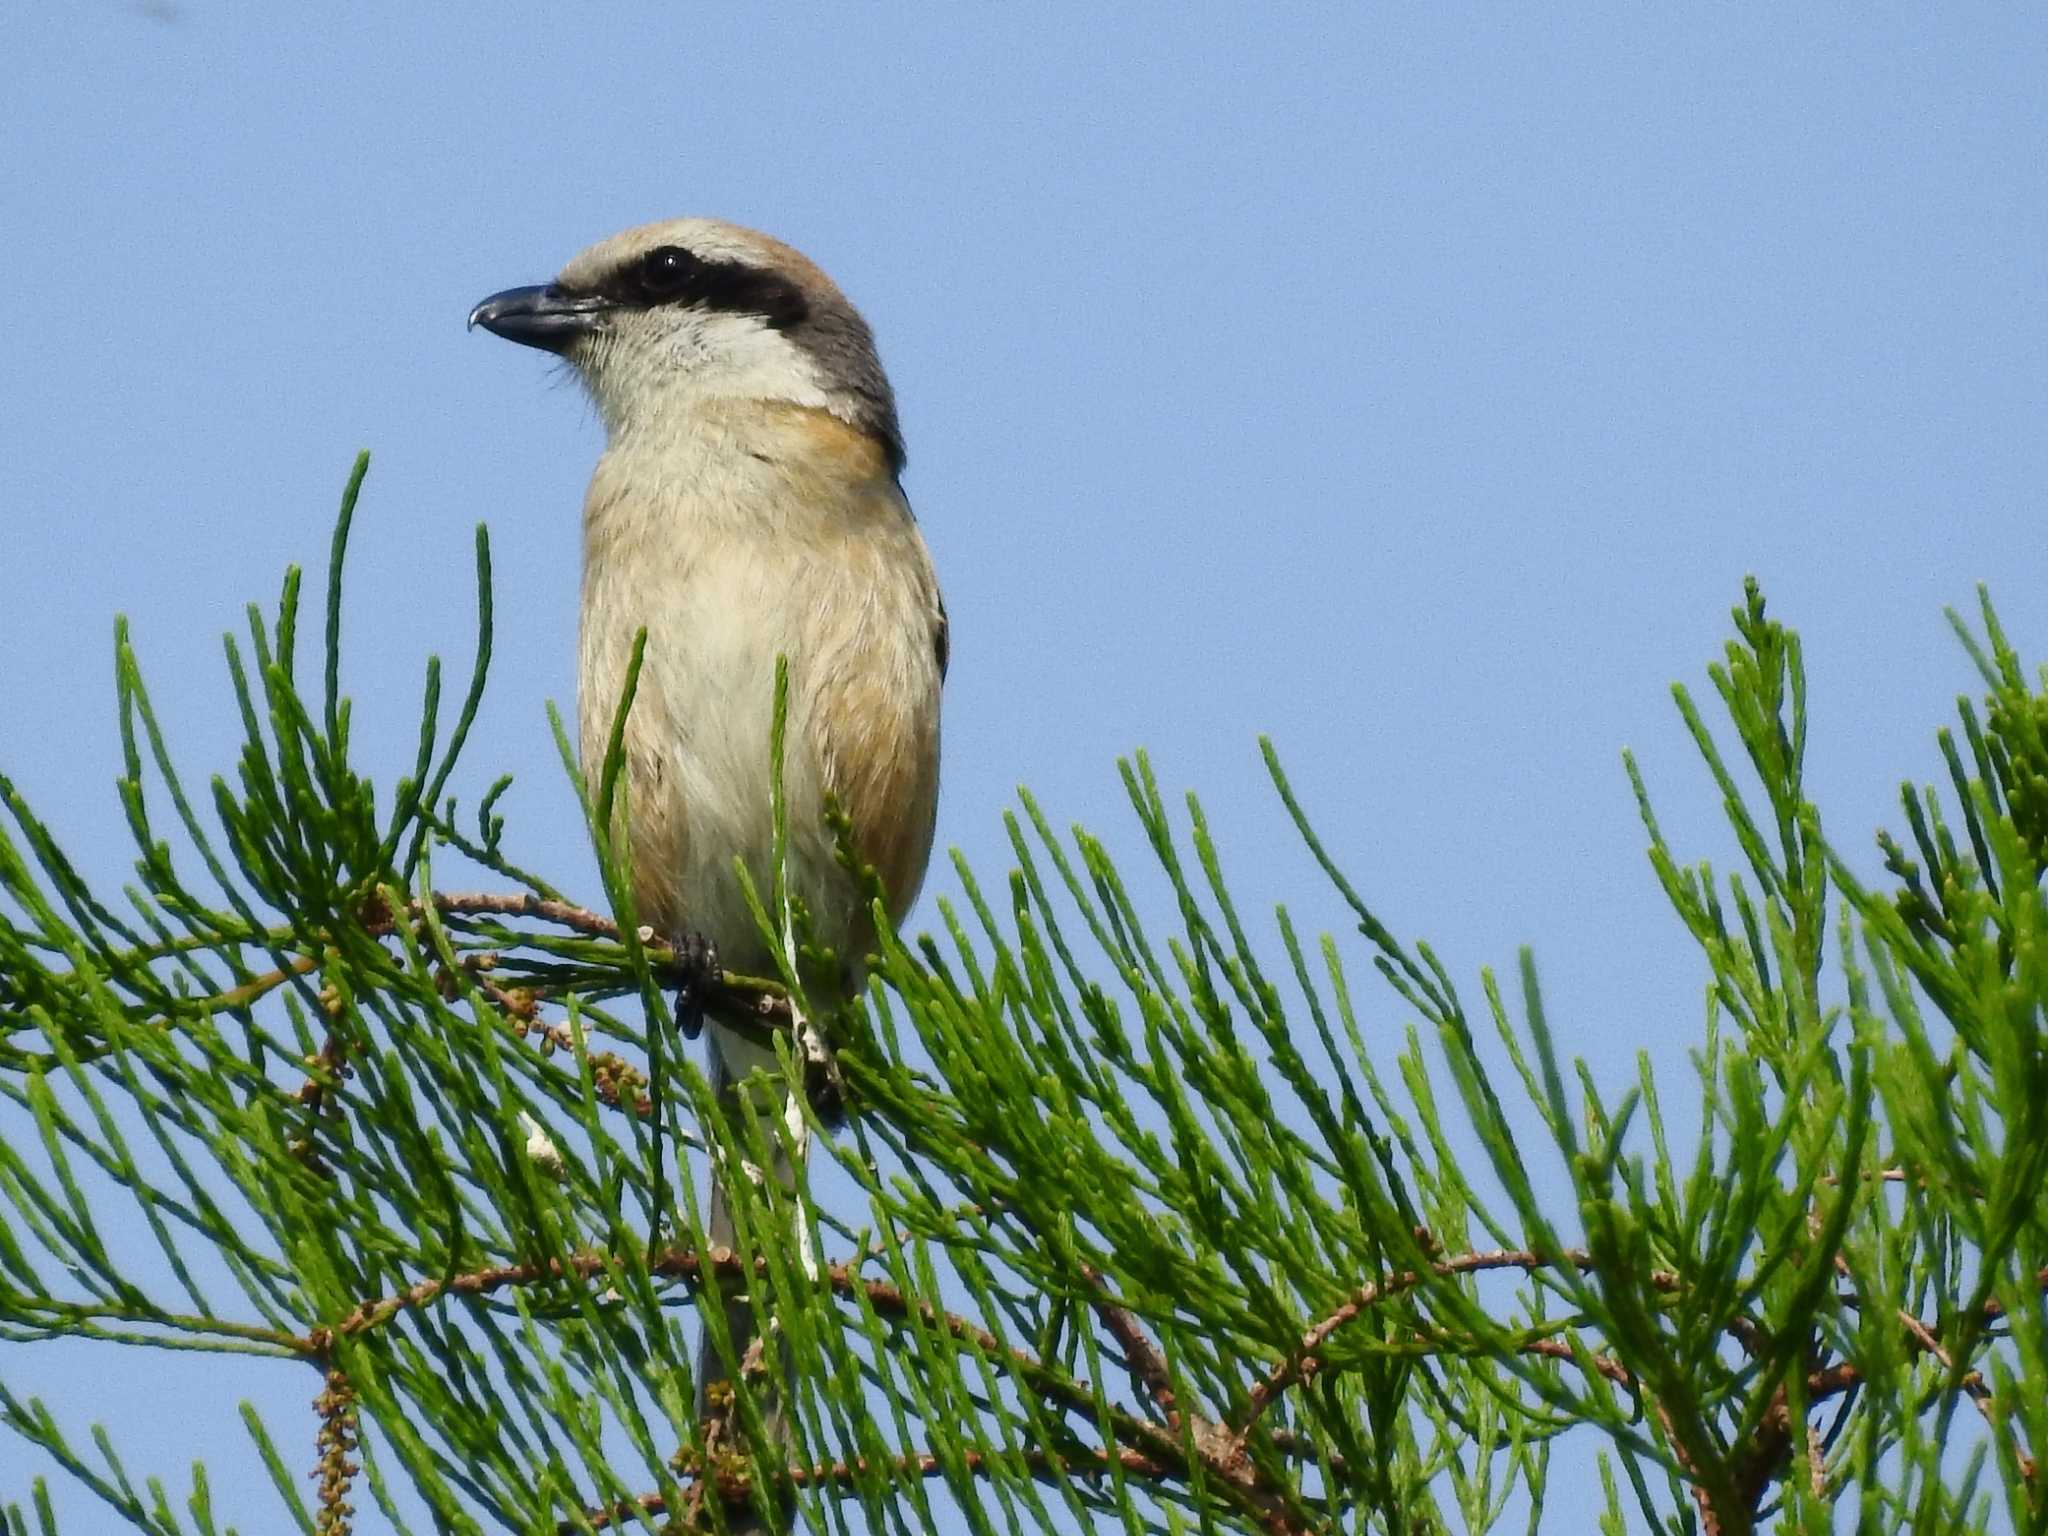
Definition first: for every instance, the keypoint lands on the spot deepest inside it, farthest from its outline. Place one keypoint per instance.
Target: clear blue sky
(1415, 389)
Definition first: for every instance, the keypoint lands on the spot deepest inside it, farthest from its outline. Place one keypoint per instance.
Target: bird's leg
(696, 962)
(824, 1084)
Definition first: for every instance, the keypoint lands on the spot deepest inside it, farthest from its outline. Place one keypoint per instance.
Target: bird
(747, 507)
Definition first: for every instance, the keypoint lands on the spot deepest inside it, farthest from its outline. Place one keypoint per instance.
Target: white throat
(658, 383)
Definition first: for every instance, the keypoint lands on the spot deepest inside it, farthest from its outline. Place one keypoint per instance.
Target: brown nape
(839, 339)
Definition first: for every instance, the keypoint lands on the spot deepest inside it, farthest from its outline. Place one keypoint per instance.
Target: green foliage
(1145, 1226)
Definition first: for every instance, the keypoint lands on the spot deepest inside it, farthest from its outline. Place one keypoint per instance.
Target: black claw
(696, 963)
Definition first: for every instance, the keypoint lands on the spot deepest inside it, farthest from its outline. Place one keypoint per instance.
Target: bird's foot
(696, 963)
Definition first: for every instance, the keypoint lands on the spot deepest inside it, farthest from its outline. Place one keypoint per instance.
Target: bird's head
(660, 320)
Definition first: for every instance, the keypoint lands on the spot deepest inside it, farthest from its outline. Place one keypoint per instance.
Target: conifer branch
(1130, 1220)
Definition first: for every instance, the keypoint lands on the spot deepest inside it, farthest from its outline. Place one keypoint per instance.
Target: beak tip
(542, 316)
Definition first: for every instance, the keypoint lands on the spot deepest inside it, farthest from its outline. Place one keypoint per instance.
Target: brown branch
(1924, 1338)
(1766, 1456)
(1220, 1452)
(522, 904)
(1972, 1382)
(1183, 1440)
(1147, 1365)
(1881, 1176)
(1768, 1452)
(733, 1487)
(1086, 1462)
(1604, 1365)
(690, 1267)
(1995, 1309)
(1306, 1359)
(1160, 1452)
(256, 987)
(324, 1072)
(744, 999)
(615, 1081)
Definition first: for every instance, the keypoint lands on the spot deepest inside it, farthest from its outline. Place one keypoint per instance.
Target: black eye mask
(670, 274)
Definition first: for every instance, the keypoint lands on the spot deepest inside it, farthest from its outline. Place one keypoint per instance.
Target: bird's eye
(666, 271)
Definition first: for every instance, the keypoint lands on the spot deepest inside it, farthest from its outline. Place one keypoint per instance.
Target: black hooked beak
(549, 317)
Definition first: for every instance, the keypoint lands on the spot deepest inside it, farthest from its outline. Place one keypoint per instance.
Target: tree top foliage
(1132, 1224)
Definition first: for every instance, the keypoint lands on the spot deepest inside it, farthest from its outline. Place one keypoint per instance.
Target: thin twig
(522, 904)
(1220, 1451)
(1972, 1382)
(1306, 1359)
(743, 999)
(1147, 1364)
(1081, 1461)
(1164, 1451)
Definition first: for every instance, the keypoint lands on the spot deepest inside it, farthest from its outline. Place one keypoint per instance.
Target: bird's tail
(733, 1060)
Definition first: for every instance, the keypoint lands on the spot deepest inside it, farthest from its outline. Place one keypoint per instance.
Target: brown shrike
(746, 507)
